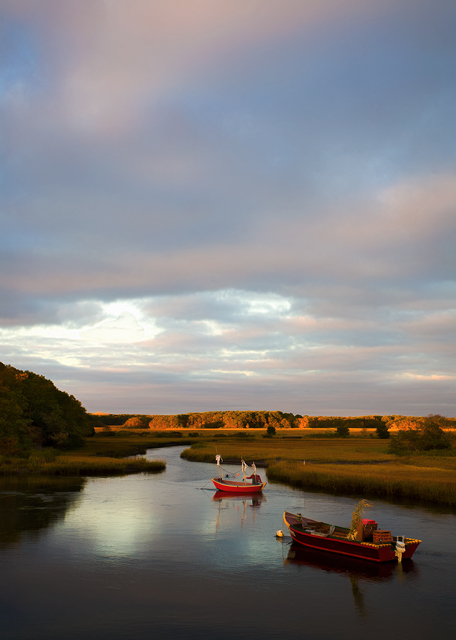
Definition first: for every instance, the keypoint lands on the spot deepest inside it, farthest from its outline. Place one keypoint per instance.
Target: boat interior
(323, 529)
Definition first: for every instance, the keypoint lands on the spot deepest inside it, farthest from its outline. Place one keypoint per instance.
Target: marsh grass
(101, 456)
(329, 450)
(392, 480)
(437, 462)
(346, 465)
(79, 465)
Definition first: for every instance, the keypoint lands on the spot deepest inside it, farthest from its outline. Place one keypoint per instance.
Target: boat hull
(239, 488)
(384, 552)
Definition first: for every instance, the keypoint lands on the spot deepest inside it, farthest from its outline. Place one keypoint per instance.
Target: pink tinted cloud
(122, 56)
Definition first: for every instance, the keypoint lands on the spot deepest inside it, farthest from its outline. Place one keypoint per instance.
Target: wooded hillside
(34, 412)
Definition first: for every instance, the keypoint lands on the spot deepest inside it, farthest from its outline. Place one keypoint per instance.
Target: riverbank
(68, 465)
(101, 456)
(349, 465)
(392, 480)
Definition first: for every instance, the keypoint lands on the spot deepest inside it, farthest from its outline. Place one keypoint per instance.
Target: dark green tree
(426, 435)
(342, 431)
(382, 431)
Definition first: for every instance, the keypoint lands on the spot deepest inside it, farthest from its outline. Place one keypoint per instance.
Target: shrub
(382, 431)
(426, 435)
(342, 431)
(271, 431)
(48, 454)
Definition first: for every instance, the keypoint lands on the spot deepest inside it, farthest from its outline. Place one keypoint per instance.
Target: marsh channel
(153, 556)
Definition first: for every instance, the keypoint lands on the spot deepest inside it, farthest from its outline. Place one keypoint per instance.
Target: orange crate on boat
(382, 535)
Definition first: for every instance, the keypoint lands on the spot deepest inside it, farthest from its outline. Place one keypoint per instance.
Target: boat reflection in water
(239, 502)
(357, 570)
(253, 500)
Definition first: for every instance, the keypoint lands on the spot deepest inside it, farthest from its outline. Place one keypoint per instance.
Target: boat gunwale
(236, 483)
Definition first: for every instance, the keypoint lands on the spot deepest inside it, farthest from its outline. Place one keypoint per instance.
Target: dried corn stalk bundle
(356, 517)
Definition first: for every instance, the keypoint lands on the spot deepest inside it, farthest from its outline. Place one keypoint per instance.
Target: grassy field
(269, 450)
(345, 465)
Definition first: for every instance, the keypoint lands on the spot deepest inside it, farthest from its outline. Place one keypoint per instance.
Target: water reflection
(253, 500)
(152, 555)
(31, 505)
(353, 567)
(358, 571)
(240, 502)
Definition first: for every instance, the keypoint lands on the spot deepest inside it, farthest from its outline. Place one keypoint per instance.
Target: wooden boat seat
(321, 528)
(339, 532)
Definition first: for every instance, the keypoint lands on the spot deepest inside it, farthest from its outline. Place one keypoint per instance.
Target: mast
(244, 466)
(218, 459)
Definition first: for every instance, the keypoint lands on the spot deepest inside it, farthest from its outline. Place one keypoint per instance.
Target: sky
(219, 205)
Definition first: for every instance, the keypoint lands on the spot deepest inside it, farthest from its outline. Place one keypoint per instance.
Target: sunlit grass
(439, 463)
(392, 480)
(79, 465)
(270, 450)
(351, 465)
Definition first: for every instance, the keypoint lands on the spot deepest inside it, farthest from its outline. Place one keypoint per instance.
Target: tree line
(260, 420)
(33, 412)
(226, 419)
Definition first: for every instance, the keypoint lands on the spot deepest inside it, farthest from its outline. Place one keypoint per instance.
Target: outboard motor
(400, 548)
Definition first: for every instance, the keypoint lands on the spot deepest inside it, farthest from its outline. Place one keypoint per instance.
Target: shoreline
(350, 466)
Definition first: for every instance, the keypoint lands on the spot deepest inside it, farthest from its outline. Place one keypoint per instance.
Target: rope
(229, 475)
(204, 485)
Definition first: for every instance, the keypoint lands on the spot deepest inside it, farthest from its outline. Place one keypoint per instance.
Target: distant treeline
(113, 419)
(226, 419)
(252, 420)
(206, 420)
(359, 422)
(33, 412)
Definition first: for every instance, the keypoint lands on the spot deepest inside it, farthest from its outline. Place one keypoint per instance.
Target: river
(149, 556)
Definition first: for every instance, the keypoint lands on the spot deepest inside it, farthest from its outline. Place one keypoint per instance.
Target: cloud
(268, 188)
(125, 328)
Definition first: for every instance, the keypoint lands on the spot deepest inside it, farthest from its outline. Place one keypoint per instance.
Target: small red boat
(239, 486)
(371, 543)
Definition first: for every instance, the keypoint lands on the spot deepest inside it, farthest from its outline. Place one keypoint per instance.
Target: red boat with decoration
(239, 487)
(363, 540)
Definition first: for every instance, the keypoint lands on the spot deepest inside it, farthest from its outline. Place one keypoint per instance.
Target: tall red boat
(370, 543)
(256, 485)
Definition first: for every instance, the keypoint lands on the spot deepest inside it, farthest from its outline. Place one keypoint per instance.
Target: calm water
(152, 556)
